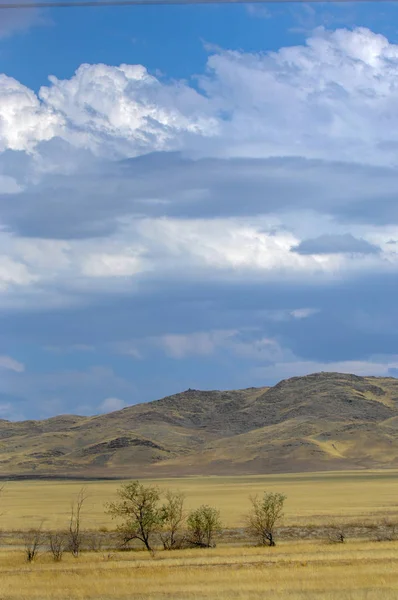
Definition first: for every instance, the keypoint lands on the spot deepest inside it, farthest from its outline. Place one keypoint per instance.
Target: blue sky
(195, 196)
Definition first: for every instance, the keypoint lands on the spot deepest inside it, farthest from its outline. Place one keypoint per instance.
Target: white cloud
(225, 244)
(194, 344)
(63, 391)
(111, 405)
(76, 226)
(24, 121)
(112, 110)
(6, 362)
(332, 98)
(303, 313)
(46, 273)
(263, 349)
(111, 265)
(282, 370)
(14, 272)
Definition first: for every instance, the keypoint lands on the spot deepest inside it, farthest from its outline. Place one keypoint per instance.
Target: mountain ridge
(320, 421)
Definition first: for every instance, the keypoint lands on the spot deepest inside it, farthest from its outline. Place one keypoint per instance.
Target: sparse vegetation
(173, 518)
(387, 530)
(336, 571)
(138, 507)
(184, 425)
(265, 514)
(337, 533)
(203, 524)
(313, 571)
(75, 533)
(33, 540)
(57, 541)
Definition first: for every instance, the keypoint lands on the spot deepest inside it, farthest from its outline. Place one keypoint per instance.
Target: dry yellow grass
(311, 497)
(289, 572)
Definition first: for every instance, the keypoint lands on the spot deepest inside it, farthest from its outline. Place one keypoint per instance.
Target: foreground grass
(307, 570)
(291, 571)
(311, 497)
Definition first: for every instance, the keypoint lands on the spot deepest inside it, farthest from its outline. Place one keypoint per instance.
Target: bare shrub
(265, 513)
(33, 541)
(74, 533)
(337, 533)
(387, 531)
(94, 542)
(57, 541)
(172, 517)
(203, 524)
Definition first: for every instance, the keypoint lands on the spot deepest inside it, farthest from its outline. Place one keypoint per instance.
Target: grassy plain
(311, 497)
(294, 570)
(352, 571)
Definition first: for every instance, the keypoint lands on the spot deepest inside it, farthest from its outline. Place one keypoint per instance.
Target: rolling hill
(317, 422)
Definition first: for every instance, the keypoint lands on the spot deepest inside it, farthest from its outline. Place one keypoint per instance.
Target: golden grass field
(311, 497)
(304, 570)
(291, 571)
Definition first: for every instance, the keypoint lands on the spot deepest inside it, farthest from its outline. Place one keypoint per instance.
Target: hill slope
(321, 421)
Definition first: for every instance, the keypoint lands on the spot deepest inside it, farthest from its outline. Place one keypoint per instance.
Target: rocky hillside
(321, 421)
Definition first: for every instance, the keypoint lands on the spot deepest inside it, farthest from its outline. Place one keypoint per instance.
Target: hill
(317, 422)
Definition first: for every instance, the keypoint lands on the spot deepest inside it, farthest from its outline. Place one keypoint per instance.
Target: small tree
(57, 542)
(33, 542)
(138, 507)
(172, 517)
(264, 516)
(203, 524)
(74, 533)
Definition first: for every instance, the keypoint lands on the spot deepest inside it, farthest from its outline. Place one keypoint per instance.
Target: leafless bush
(94, 542)
(172, 516)
(74, 533)
(387, 531)
(57, 541)
(337, 533)
(33, 541)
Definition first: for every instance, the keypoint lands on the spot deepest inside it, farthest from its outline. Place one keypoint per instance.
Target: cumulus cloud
(246, 217)
(119, 111)
(291, 101)
(335, 244)
(332, 98)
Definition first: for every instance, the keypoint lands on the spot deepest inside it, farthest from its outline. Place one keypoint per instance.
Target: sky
(194, 197)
